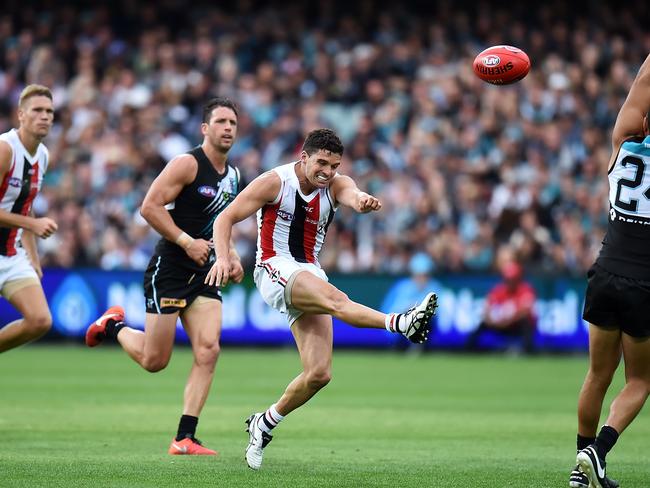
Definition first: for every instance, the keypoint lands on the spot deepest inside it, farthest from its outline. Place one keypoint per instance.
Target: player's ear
(204, 128)
(304, 156)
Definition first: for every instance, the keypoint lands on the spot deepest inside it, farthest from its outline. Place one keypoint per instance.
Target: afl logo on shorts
(207, 191)
(491, 60)
(15, 182)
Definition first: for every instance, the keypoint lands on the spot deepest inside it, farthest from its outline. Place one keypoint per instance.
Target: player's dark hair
(322, 139)
(217, 102)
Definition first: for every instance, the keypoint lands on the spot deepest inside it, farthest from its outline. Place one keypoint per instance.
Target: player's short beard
(220, 148)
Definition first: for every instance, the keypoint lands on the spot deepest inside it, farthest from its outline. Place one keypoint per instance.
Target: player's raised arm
(633, 114)
(345, 191)
(262, 190)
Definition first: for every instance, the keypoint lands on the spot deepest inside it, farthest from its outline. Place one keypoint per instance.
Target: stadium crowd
(467, 172)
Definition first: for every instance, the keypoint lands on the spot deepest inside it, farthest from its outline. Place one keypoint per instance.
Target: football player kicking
(295, 204)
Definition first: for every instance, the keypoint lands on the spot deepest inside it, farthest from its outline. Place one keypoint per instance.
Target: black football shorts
(617, 302)
(171, 284)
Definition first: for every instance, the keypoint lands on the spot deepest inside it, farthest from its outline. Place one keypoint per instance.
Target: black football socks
(113, 327)
(584, 442)
(606, 439)
(187, 427)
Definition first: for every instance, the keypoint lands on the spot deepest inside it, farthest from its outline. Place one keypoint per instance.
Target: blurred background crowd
(468, 173)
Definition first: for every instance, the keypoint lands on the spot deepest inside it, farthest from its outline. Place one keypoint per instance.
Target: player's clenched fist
(198, 250)
(44, 227)
(368, 203)
(219, 272)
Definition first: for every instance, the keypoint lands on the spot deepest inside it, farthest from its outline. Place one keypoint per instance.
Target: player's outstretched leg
(96, 332)
(258, 439)
(415, 323)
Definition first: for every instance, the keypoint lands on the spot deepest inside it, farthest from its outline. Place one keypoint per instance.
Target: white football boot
(415, 323)
(257, 441)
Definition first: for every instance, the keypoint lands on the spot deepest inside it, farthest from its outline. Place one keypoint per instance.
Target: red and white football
(501, 65)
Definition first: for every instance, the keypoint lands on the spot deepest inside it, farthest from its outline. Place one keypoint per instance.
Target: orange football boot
(190, 446)
(96, 331)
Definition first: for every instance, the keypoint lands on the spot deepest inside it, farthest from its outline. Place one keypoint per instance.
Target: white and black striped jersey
(19, 186)
(626, 246)
(294, 224)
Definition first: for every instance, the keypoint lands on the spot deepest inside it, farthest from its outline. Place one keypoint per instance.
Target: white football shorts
(274, 279)
(14, 268)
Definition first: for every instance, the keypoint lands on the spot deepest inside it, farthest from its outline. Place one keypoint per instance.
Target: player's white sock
(392, 322)
(270, 419)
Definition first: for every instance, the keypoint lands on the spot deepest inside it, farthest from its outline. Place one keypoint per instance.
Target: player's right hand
(44, 227)
(199, 251)
(367, 203)
(219, 272)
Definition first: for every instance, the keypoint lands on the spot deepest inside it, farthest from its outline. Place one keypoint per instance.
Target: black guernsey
(626, 246)
(199, 203)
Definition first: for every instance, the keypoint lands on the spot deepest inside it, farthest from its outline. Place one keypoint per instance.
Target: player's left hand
(236, 271)
(219, 272)
(367, 203)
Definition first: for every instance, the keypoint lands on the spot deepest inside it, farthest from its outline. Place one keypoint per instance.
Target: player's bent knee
(318, 379)
(602, 376)
(38, 324)
(639, 384)
(155, 364)
(207, 354)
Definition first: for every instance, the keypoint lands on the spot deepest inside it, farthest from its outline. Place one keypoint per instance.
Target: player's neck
(217, 158)
(29, 141)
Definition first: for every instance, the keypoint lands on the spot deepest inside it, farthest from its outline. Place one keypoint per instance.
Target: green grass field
(76, 417)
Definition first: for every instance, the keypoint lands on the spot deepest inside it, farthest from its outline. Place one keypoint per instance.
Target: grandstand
(464, 170)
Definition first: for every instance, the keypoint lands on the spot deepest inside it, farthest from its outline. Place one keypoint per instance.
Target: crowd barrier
(77, 297)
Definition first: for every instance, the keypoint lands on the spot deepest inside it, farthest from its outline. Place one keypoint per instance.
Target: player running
(295, 204)
(23, 162)
(181, 205)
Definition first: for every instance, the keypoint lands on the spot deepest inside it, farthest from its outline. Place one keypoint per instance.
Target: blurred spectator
(509, 310)
(410, 291)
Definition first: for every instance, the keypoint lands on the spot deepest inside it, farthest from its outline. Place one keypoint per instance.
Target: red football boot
(190, 447)
(96, 331)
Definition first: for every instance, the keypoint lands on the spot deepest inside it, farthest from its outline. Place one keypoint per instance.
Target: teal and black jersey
(199, 203)
(626, 247)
